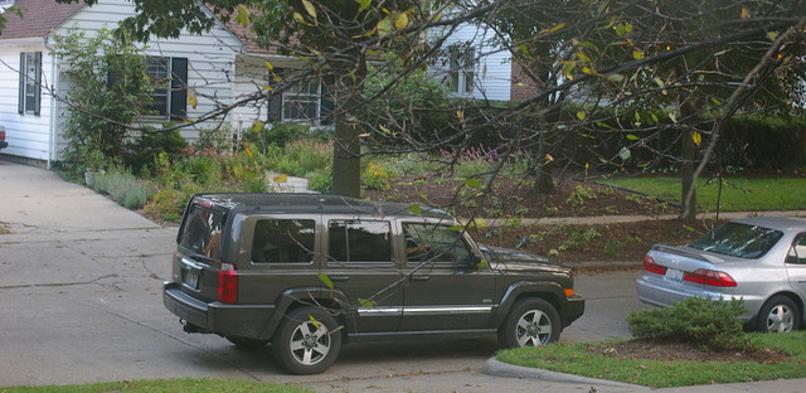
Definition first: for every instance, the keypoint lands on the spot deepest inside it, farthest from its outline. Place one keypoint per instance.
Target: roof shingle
(39, 17)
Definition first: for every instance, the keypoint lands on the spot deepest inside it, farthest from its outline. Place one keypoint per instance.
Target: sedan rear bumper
(247, 321)
(662, 293)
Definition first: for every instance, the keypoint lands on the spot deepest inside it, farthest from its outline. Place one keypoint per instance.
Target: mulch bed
(582, 243)
(669, 351)
(516, 198)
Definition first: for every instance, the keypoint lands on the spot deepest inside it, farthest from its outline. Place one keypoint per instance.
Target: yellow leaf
(402, 21)
(637, 54)
(744, 13)
(384, 26)
(298, 17)
(281, 178)
(696, 137)
(773, 35)
(363, 5)
(581, 115)
(257, 126)
(192, 99)
(555, 28)
(309, 8)
(242, 17)
(269, 66)
(460, 114)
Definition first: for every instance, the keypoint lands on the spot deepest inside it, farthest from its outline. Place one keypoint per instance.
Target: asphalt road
(80, 301)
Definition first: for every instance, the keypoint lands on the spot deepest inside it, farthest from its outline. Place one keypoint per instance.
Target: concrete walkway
(33, 200)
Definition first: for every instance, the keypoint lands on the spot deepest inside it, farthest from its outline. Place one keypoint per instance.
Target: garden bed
(659, 364)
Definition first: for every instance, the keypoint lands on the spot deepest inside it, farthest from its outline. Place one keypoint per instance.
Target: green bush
(275, 134)
(300, 157)
(168, 204)
(123, 188)
(141, 154)
(716, 325)
(320, 181)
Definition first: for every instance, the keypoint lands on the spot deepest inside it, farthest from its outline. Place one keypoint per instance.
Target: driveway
(80, 299)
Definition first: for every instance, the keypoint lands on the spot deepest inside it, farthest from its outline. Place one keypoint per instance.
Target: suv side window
(360, 241)
(797, 254)
(283, 241)
(437, 243)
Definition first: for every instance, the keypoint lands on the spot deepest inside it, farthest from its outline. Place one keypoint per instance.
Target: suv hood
(518, 261)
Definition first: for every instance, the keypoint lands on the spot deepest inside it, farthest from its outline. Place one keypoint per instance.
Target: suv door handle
(420, 278)
(339, 278)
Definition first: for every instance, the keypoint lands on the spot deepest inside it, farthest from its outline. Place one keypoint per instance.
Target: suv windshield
(201, 232)
(738, 240)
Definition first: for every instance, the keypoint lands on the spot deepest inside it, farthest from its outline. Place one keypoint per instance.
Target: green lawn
(164, 386)
(738, 193)
(575, 359)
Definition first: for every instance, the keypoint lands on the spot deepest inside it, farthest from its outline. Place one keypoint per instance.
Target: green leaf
(402, 21)
(363, 5)
(309, 8)
(242, 17)
(313, 320)
(325, 280)
(615, 78)
(581, 115)
(456, 228)
(415, 209)
(384, 26)
(483, 264)
(689, 228)
(624, 154)
(473, 183)
(773, 35)
(257, 126)
(299, 18)
(366, 303)
(632, 137)
(637, 54)
(556, 28)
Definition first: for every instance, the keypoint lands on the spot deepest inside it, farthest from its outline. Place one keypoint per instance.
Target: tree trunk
(347, 146)
(688, 155)
(543, 184)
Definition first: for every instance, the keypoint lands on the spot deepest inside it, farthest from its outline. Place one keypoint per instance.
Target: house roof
(39, 17)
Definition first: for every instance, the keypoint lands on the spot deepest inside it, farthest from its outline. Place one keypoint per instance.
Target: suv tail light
(652, 267)
(2, 135)
(227, 283)
(710, 277)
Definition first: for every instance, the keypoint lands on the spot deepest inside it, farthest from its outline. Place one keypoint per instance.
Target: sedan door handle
(339, 278)
(420, 278)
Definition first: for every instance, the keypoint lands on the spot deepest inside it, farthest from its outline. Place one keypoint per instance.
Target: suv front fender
(333, 300)
(569, 308)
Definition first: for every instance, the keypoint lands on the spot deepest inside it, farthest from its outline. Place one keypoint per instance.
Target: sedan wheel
(779, 315)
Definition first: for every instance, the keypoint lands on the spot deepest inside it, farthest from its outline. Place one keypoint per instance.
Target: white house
(220, 67)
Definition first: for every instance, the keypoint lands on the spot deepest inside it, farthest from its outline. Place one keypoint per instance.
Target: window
(434, 243)
(360, 241)
(202, 231)
(739, 240)
(462, 65)
(284, 241)
(797, 254)
(301, 102)
(30, 83)
(159, 70)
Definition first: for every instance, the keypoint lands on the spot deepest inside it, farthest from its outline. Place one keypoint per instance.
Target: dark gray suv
(310, 272)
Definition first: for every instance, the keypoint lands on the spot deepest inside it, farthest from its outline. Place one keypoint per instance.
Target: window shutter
(470, 67)
(326, 116)
(179, 88)
(38, 88)
(276, 100)
(21, 103)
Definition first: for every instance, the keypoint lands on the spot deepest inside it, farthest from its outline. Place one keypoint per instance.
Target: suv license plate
(191, 278)
(674, 275)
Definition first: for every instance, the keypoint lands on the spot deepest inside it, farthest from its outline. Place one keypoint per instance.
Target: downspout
(54, 78)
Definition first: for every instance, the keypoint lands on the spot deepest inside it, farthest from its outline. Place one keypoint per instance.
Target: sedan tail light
(227, 284)
(651, 267)
(710, 277)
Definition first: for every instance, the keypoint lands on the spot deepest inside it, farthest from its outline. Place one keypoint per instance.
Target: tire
(247, 343)
(767, 320)
(307, 357)
(528, 314)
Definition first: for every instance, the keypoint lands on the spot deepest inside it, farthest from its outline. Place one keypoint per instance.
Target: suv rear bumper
(3, 144)
(249, 321)
(572, 310)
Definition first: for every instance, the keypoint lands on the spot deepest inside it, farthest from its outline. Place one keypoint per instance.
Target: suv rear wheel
(532, 322)
(307, 341)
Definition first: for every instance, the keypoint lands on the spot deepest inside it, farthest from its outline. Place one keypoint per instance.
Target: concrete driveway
(80, 301)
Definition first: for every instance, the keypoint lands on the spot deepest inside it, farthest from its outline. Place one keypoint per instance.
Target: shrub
(300, 157)
(377, 177)
(123, 188)
(320, 181)
(275, 134)
(716, 325)
(143, 152)
(167, 204)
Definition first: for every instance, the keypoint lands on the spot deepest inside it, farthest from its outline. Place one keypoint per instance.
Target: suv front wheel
(532, 322)
(307, 342)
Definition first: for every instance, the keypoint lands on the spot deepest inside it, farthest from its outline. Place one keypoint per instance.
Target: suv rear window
(201, 232)
(360, 241)
(739, 240)
(284, 241)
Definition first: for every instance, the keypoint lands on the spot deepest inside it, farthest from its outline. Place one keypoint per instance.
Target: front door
(796, 265)
(361, 263)
(445, 290)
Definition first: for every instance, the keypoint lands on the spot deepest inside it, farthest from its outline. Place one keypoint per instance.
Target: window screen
(283, 241)
(360, 241)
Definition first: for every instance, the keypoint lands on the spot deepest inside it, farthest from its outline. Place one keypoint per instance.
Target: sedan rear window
(201, 232)
(739, 240)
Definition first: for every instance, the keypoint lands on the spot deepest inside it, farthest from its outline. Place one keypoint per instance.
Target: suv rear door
(200, 249)
(361, 261)
(444, 292)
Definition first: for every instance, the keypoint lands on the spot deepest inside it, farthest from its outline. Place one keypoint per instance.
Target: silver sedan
(761, 260)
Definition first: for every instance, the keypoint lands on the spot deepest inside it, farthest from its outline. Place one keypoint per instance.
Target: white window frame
(316, 98)
(169, 65)
(458, 56)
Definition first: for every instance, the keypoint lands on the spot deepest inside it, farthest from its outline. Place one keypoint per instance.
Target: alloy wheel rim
(310, 343)
(533, 329)
(780, 319)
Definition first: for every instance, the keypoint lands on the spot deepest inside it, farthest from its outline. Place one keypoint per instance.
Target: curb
(497, 368)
